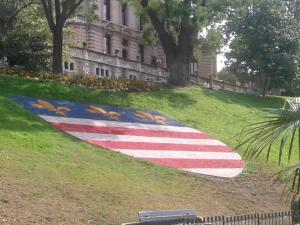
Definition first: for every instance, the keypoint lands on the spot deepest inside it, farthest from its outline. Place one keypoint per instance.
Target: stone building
(111, 46)
(204, 66)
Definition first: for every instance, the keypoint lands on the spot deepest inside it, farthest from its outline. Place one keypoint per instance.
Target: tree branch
(47, 5)
(72, 9)
(165, 38)
(57, 11)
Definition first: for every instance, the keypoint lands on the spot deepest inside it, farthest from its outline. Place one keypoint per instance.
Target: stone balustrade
(115, 61)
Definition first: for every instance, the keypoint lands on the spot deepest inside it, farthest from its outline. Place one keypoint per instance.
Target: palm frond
(278, 125)
(290, 178)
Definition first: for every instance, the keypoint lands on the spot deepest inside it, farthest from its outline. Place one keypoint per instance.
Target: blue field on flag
(143, 134)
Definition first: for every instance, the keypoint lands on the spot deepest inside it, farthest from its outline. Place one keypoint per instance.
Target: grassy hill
(50, 178)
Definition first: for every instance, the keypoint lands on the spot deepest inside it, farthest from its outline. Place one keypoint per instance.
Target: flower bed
(89, 81)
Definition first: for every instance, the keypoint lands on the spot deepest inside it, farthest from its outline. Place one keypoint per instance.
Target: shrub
(29, 43)
(90, 81)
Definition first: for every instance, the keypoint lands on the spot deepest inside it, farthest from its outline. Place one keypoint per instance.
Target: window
(132, 77)
(97, 71)
(106, 10)
(107, 43)
(66, 65)
(71, 66)
(193, 68)
(124, 14)
(124, 53)
(125, 48)
(107, 73)
(102, 72)
(142, 53)
(153, 61)
(125, 42)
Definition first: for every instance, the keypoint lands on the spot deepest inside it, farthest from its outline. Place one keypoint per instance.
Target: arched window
(71, 66)
(66, 65)
(107, 44)
(124, 53)
(142, 53)
(106, 10)
(124, 14)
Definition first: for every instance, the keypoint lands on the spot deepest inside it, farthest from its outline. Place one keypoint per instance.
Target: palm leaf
(278, 125)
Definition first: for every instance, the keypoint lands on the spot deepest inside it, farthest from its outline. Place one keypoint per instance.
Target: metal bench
(165, 216)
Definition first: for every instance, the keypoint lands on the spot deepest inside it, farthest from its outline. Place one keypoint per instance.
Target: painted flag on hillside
(143, 134)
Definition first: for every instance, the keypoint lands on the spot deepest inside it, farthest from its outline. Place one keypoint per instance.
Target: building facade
(111, 46)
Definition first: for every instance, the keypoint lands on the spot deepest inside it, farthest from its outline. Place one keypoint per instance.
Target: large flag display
(143, 134)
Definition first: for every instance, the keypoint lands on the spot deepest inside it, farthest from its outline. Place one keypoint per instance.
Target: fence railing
(221, 85)
(279, 218)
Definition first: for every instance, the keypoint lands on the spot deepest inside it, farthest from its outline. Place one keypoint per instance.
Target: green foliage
(149, 36)
(283, 125)
(177, 25)
(174, 14)
(228, 76)
(9, 10)
(266, 43)
(294, 7)
(210, 43)
(87, 11)
(28, 44)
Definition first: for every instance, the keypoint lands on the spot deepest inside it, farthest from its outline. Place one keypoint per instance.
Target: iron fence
(221, 85)
(278, 218)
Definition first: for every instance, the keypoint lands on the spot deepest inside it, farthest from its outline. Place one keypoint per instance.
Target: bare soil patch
(23, 201)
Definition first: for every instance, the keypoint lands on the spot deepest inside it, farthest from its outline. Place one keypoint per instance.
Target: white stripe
(219, 172)
(130, 138)
(56, 119)
(179, 154)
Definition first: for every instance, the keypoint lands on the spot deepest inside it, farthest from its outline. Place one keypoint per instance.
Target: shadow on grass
(14, 117)
(245, 100)
(53, 90)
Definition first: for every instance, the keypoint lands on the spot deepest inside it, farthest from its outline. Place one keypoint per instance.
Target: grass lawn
(50, 178)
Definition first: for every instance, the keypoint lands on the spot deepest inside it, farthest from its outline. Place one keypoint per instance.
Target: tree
(294, 7)
(177, 24)
(266, 43)
(57, 12)
(29, 43)
(228, 76)
(9, 10)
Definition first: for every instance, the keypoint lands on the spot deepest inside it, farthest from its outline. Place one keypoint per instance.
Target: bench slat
(169, 218)
(167, 212)
(155, 216)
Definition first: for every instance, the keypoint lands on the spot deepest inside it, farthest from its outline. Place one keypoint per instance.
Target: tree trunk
(297, 10)
(178, 68)
(265, 84)
(57, 54)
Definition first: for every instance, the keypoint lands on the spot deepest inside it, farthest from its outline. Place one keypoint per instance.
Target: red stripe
(198, 163)
(127, 131)
(160, 146)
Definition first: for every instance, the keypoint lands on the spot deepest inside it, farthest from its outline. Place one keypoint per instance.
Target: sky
(220, 62)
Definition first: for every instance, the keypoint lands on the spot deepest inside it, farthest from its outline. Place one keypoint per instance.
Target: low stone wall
(113, 66)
